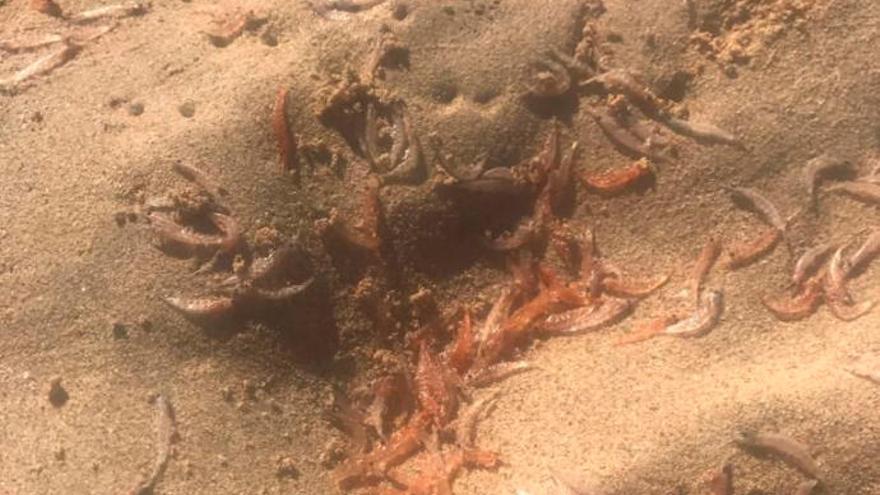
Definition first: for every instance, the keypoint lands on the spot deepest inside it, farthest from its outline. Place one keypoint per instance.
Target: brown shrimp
(809, 262)
(865, 192)
(166, 431)
(206, 307)
(620, 286)
(645, 331)
(461, 350)
(799, 306)
(753, 200)
(587, 318)
(703, 320)
(618, 180)
(286, 141)
(624, 140)
(745, 253)
(705, 261)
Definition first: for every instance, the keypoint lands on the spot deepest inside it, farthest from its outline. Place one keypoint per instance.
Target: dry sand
(648, 419)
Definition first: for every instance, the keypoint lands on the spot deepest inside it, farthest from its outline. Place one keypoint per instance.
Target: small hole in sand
(485, 95)
(401, 10)
(676, 86)
(444, 92)
(269, 39)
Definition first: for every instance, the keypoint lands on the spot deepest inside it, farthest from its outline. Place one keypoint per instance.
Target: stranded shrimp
(758, 203)
(810, 261)
(800, 305)
(747, 252)
(173, 233)
(818, 169)
(286, 141)
(791, 451)
(707, 258)
(702, 321)
(587, 318)
(617, 180)
(836, 292)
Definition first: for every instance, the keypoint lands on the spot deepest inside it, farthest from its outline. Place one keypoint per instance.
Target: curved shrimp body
(703, 320)
(172, 233)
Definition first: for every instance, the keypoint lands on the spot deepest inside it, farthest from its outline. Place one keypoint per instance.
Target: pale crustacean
(66, 46)
(198, 224)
